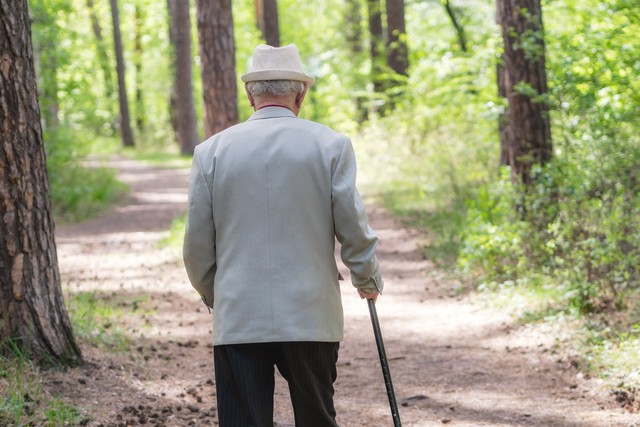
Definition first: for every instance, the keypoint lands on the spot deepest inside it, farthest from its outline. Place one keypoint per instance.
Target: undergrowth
(23, 401)
(78, 191)
(95, 320)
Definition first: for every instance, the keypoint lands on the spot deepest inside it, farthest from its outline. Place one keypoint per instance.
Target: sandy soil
(453, 361)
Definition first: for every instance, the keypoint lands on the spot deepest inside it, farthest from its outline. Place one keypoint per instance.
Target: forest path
(453, 361)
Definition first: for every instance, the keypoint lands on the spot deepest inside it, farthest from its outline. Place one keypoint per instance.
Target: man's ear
(300, 97)
(249, 97)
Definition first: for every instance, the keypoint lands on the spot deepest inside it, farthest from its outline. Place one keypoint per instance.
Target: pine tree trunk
(354, 35)
(137, 62)
(125, 121)
(101, 50)
(451, 12)
(185, 114)
(526, 134)
(376, 46)
(397, 51)
(267, 20)
(353, 26)
(32, 311)
(217, 56)
(46, 63)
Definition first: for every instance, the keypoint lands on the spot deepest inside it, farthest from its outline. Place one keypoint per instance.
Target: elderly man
(267, 199)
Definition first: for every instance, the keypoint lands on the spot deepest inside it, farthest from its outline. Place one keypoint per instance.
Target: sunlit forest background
(565, 247)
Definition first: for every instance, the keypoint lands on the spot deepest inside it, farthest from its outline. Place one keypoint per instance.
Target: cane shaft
(383, 363)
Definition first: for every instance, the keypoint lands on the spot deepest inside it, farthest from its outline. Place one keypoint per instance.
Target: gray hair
(275, 87)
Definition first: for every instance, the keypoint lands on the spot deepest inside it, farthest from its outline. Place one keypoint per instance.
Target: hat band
(277, 75)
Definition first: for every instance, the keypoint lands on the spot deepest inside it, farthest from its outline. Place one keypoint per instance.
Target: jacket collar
(271, 112)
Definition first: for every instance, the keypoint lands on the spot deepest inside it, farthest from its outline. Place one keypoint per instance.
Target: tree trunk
(526, 135)
(451, 12)
(46, 62)
(376, 45)
(137, 62)
(397, 51)
(353, 26)
(103, 56)
(267, 20)
(125, 123)
(185, 114)
(32, 311)
(503, 123)
(218, 64)
(354, 36)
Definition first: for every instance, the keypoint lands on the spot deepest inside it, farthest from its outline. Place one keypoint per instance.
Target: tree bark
(376, 45)
(451, 12)
(267, 20)
(137, 63)
(125, 122)
(101, 49)
(526, 134)
(218, 64)
(46, 53)
(32, 311)
(397, 51)
(185, 114)
(353, 26)
(354, 36)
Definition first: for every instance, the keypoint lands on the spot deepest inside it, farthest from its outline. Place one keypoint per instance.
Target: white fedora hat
(276, 63)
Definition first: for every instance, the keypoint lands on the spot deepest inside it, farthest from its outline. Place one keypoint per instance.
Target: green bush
(77, 191)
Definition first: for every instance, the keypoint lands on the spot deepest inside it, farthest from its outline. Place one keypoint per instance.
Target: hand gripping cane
(383, 362)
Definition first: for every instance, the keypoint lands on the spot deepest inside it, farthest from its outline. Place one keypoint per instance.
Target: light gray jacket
(267, 199)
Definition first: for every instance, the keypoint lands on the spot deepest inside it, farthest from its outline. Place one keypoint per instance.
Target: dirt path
(452, 361)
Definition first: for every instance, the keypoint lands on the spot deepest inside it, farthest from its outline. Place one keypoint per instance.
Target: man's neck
(279, 101)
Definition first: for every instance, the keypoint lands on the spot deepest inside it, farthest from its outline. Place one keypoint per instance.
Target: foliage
(22, 401)
(78, 191)
(579, 223)
(432, 155)
(176, 233)
(439, 143)
(95, 321)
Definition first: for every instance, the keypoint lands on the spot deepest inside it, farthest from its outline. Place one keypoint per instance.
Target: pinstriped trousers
(245, 382)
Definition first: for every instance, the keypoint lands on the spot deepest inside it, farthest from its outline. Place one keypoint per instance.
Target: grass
(609, 342)
(94, 321)
(176, 233)
(22, 400)
(79, 192)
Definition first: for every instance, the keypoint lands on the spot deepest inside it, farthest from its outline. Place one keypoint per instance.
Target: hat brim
(278, 75)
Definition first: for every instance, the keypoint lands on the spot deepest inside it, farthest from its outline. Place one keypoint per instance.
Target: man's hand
(366, 295)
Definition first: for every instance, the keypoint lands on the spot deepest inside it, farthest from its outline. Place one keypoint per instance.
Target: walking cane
(383, 362)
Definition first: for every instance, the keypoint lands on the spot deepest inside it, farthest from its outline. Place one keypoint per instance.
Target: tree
(353, 26)
(185, 114)
(32, 311)
(102, 53)
(217, 56)
(452, 12)
(525, 133)
(267, 20)
(397, 51)
(376, 45)
(46, 59)
(125, 123)
(353, 30)
(137, 63)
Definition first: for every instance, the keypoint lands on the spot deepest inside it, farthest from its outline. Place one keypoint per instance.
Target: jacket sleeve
(352, 230)
(199, 248)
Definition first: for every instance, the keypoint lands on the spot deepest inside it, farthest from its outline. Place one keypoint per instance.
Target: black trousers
(245, 382)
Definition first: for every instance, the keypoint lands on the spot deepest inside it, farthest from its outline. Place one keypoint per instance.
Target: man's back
(273, 181)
